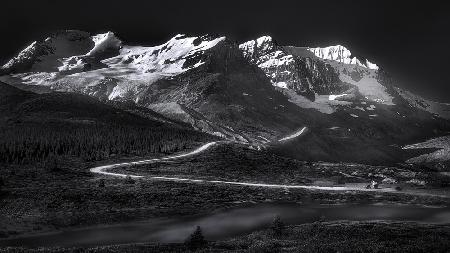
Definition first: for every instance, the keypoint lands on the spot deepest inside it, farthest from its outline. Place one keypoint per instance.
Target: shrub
(263, 247)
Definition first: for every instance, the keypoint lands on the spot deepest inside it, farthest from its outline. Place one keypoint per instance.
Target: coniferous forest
(31, 143)
(44, 128)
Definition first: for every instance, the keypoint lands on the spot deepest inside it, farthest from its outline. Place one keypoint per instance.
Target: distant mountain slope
(329, 78)
(435, 108)
(257, 92)
(22, 105)
(11, 97)
(440, 151)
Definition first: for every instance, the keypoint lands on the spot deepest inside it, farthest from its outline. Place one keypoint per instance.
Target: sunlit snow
(132, 69)
(341, 54)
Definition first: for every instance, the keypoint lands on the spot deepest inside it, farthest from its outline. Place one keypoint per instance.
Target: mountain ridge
(255, 92)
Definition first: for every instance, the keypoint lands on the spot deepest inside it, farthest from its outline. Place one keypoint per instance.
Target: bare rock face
(293, 68)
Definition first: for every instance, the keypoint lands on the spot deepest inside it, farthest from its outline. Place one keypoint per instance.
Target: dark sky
(408, 38)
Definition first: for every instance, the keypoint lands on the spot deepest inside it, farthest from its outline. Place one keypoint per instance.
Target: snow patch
(167, 59)
(334, 97)
(282, 85)
(322, 103)
(369, 87)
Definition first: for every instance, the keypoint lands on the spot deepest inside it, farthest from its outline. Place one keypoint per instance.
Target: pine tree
(196, 240)
(2, 184)
(101, 183)
(52, 144)
(277, 226)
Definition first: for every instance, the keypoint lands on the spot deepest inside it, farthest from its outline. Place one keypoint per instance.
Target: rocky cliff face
(312, 73)
(292, 68)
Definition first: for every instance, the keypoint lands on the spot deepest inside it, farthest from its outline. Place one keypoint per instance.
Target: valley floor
(36, 200)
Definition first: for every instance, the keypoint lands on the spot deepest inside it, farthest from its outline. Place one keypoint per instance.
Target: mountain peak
(47, 55)
(23, 55)
(264, 39)
(257, 47)
(103, 42)
(341, 54)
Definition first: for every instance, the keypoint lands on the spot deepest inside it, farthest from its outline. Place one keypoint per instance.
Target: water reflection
(230, 223)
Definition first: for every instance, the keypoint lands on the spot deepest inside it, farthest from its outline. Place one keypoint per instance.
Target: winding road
(102, 170)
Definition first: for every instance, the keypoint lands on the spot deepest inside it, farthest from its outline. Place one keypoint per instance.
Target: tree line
(33, 143)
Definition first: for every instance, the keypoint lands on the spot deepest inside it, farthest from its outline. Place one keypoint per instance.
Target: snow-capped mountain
(64, 51)
(256, 92)
(327, 78)
(181, 78)
(98, 65)
(320, 78)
